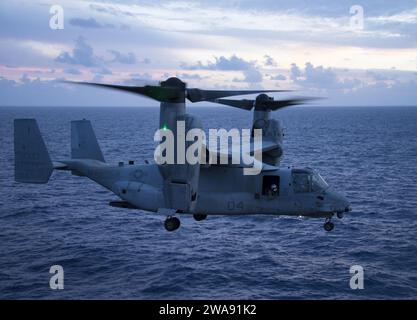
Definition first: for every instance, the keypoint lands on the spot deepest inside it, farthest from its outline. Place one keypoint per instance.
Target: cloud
(97, 78)
(82, 54)
(233, 63)
(403, 17)
(313, 77)
(380, 94)
(321, 78)
(377, 76)
(295, 72)
(327, 22)
(112, 10)
(242, 45)
(269, 61)
(104, 71)
(37, 92)
(139, 79)
(72, 71)
(89, 23)
(251, 76)
(119, 57)
(190, 76)
(278, 77)
(318, 76)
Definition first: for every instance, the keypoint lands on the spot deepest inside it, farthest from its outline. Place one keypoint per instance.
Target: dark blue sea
(369, 154)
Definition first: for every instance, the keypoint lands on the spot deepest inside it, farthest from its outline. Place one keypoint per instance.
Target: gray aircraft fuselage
(223, 190)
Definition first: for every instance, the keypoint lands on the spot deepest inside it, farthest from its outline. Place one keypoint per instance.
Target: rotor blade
(242, 104)
(279, 104)
(196, 95)
(158, 93)
(264, 105)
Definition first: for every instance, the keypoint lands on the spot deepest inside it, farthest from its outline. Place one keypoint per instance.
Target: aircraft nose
(339, 201)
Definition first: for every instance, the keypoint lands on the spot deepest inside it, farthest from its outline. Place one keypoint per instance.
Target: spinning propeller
(264, 103)
(174, 90)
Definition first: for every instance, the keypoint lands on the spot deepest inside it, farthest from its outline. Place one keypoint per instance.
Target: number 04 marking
(232, 205)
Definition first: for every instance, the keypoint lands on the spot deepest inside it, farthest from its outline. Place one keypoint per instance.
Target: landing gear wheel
(199, 216)
(328, 226)
(172, 223)
(340, 215)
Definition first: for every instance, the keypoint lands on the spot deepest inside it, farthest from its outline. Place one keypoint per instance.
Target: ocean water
(369, 154)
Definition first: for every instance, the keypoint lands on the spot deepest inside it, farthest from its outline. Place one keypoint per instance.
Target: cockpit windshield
(308, 181)
(301, 182)
(318, 183)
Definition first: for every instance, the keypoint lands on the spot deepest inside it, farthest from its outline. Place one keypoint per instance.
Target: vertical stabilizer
(32, 161)
(84, 143)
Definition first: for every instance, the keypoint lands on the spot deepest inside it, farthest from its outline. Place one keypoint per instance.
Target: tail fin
(32, 161)
(84, 143)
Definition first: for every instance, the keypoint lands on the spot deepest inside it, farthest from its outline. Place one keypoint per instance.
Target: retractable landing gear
(199, 216)
(340, 215)
(328, 225)
(172, 223)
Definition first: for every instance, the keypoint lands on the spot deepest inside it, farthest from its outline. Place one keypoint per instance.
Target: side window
(270, 185)
(301, 182)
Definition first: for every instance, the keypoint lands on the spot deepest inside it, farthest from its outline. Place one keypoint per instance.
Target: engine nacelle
(182, 178)
(271, 132)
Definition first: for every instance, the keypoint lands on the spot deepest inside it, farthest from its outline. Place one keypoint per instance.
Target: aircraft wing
(267, 145)
(211, 157)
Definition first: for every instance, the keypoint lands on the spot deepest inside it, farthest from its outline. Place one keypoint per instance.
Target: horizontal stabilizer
(32, 161)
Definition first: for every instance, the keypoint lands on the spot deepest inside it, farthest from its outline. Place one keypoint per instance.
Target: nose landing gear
(172, 223)
(199, 216)
(328, 225)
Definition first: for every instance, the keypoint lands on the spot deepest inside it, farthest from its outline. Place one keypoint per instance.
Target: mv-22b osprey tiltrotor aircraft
(197, 189)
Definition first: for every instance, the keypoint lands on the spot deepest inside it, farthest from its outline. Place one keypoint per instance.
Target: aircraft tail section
(32, 161)
(84, 143)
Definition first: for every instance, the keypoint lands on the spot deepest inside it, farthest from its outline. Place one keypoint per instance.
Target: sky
(349, 52)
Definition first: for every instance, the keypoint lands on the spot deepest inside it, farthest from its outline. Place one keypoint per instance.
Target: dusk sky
(318, 48)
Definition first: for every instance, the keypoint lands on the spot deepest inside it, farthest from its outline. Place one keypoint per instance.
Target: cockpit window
(307, 181)
(318, 183)
(301, 182)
